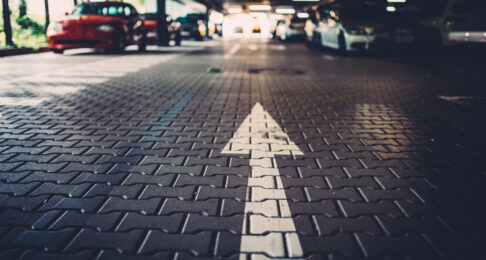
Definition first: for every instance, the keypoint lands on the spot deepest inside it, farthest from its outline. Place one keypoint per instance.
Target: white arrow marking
(268, 226)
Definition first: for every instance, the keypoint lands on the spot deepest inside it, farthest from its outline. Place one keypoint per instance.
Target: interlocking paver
(129, 163)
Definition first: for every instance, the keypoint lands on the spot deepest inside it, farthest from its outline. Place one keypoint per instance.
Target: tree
(22, 8)
(25, 22)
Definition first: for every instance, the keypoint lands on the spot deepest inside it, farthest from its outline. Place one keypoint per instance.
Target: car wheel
(342, 42)
(142, 45)
(178, 38)
(120, 43)
(58, 51)
(308, 43)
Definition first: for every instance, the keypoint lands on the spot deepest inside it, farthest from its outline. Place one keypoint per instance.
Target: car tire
(178, 38)
(308, 43)
(120, 43)
(58, 51)
(342, 43)
(142, 45)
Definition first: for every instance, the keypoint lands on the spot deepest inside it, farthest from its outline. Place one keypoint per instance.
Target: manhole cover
(276, 71)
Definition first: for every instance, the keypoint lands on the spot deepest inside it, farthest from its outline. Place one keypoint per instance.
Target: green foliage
(22, 8)
(26, 32)
(25, 22)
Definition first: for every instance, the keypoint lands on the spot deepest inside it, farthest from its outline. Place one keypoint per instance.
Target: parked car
(290, 28)
(173, 28)
(447, 22)
(99, 25)
(193, 26)
(350, 25)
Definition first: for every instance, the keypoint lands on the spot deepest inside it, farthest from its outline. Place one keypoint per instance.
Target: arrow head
(261, 136)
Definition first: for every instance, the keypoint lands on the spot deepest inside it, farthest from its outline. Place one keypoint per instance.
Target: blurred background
(345, 25)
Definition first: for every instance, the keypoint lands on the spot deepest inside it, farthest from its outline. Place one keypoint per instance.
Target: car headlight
(105, 28)
(54, 28)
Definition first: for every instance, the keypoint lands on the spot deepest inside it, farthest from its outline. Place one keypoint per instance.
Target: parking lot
(237, 148)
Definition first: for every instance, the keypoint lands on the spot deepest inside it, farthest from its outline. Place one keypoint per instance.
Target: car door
(333, 24)
(322, 25)
(131, 17)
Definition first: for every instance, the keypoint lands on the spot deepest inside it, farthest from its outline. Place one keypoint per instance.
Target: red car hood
(89, 19)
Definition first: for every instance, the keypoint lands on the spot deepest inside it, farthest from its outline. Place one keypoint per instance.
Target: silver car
(453, 22)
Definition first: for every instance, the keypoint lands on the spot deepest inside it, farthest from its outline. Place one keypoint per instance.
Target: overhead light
(260, 8)
(396, 1)
(216, 17)
(391, 9)
(303, 15)
(234, 10)
(285, 11)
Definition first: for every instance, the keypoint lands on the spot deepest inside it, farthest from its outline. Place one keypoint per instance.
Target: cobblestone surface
(109, 156)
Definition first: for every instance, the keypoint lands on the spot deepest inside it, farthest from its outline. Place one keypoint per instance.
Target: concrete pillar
(48, 20)
(162, 33)
(7, 27)
(207, 20)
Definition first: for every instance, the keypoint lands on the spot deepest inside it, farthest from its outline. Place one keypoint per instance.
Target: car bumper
(95, 40)
(359, 42)
(466, 37)
(295, 33)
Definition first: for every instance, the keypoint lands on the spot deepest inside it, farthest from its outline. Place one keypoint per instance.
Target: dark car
(192, 27)
(173, 28)
(99, 25)
(440, 23)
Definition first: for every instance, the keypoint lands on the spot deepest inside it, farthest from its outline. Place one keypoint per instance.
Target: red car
(99, 25)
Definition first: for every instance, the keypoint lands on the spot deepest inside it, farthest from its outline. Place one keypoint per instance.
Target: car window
(103, 9)
(297, 20)
(421, 8)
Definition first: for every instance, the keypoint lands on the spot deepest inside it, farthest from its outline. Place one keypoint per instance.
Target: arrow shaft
(268, 225)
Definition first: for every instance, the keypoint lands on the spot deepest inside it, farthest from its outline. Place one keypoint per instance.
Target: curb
(21, 51)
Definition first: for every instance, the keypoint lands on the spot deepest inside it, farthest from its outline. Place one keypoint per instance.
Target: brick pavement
(121, 156)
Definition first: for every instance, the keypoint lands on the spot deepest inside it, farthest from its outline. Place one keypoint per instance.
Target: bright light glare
(216, 17)
(235, 10)
(303, 15)
(391, 9)
(276, 17)
(396, 1)
(285, 11)
(260, 8)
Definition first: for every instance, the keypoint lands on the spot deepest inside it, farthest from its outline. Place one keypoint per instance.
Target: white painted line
(262, 138)
(460, 98)
(328, 57)
(232, 51)
(253, 47)
(278, 47)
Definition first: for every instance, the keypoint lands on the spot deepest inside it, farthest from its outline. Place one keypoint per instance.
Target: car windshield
(102, 9)
(186, 20)
(362, 10)
(421, 8)
(297, 20)
(469, 7)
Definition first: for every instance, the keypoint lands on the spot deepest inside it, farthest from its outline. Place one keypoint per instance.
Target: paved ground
(286, 152)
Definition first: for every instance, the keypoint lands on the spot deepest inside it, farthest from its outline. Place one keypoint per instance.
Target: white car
(290, 28)
(350, 25)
